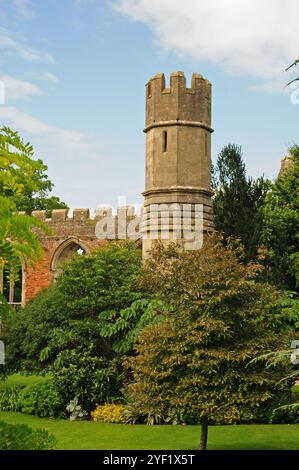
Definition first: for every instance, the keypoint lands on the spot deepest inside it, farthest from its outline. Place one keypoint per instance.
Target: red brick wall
(40, 276)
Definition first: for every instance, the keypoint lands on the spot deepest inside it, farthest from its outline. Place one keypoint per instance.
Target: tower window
(149, 90)
(165, 141)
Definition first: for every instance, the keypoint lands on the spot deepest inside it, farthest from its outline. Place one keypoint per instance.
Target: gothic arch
(64, 252)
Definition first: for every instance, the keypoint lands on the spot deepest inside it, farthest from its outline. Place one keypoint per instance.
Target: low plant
(76, 410)
(22, 437)
(93, 379)
(9, 398)
(41, 399)
(109, 413)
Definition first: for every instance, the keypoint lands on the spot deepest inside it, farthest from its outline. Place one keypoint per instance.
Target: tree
(18, 242)
(281, 226)
(238, 200)
(196, 362)
(28, 174)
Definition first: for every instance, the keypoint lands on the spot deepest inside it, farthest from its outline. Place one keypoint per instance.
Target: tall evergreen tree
(238, 199)
(280, 233)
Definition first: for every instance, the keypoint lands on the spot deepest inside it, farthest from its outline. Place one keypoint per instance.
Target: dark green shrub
(285, 415)
(22, 437)
(66, 315)
(9, 398)
(93, 380)
(41, 399)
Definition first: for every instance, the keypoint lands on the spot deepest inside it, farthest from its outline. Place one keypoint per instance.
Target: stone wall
(79, 231)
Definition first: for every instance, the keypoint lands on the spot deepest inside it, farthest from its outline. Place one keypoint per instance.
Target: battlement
(119, 226)
(177, 82)
(178, 104)
(82, 215)
(286, 164)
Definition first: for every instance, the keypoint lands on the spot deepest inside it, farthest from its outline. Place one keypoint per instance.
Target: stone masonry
(178, 173)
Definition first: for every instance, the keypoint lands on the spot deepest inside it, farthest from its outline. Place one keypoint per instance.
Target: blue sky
(74, 74)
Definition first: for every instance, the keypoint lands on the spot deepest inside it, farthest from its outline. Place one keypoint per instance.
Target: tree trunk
(204, 434)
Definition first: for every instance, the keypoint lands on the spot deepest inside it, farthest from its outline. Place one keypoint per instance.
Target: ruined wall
(79, 231)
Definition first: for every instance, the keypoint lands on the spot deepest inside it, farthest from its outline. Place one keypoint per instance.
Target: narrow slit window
(165, 141)
(206, 145)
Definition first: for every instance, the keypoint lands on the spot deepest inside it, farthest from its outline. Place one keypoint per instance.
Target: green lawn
(95, 436)
(18, 379)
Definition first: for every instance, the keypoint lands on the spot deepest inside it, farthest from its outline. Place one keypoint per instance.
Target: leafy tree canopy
(24, 178)
(196, 362)
(18, 170)
(280, 233)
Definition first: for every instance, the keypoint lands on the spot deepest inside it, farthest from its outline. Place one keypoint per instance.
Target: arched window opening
(64, 253)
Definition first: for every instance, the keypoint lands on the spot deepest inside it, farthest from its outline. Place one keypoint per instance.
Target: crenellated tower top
(178, 104)
(178, 155)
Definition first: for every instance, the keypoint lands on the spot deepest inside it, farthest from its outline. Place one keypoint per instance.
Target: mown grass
(102, 436)
(19, 379)
(89, 435)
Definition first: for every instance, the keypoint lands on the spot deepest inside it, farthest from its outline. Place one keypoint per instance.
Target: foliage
(238, 200)
(281, 226)
(9, 398)
(23, 177)
(18, 241)
(77, 413)
(197, 361)
(44, 203)
(90, 378)
(109, 413)
(81, 326)
(105, 280)
(29, 331)
(22, 437)
(125, 326)
(290, 304)
(41, 399)
(288, 414)
(96, 300)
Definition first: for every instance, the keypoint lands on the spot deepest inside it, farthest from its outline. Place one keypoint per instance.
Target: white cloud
(17, 89)
(45, 77)
(24, 8)
(12, 46)
(258, 38)
(68, 143)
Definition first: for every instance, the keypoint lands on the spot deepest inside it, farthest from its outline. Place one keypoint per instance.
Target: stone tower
(286, 163)
(178, 159)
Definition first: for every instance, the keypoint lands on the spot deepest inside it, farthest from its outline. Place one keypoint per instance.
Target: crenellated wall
(78, 231)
